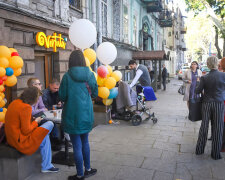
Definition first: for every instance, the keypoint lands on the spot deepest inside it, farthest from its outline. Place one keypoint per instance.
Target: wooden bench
(17, 166)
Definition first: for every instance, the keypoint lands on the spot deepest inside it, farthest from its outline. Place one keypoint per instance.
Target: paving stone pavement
(162, 151)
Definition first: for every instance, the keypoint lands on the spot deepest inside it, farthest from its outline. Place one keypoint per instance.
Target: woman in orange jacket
(22, 131)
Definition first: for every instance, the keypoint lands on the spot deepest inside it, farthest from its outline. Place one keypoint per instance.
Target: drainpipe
(99, 25)
(94, 18)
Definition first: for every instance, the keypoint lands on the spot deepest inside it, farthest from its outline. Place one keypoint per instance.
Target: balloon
(100, 81)
(102, 71)
(110, 82)
(110, 121)
(5, 52)
(87, 61)
(2, 103)
(106, 53)
(4, 110)
(16, 62)
(4, 77)
(117, 75)
(1, 82)
(12, 50)
(82, 33)
(14, 54)
(1, 109)
(95, 75)
(2, 117)
(113, 93)
(107, 102)
(4, 62)
(11, 81)
(2, 88)
(103, 92)
(2, 95)
(9, 71)
(17, 72)
(2, 71)
(90, 54)
(109, 70)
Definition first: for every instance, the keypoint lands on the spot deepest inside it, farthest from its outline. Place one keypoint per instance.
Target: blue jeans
(45, 147)
(81, 151)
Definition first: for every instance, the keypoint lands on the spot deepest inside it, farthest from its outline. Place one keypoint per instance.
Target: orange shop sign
(55, 41)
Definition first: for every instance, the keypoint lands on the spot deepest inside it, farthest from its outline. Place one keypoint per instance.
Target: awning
(150, 55)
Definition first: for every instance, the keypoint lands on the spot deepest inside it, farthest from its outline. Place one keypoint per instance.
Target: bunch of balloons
(10, 67)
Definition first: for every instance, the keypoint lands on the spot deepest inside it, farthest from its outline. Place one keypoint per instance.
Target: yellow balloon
(1, 88)
(2, 95)
(1, 98)
(90, 54)
(95, 75)
(110, 82)
(4, 62)
(17, 72)
(109, 70)
(87, 62)
(11, 81)
(2, 71)
(16, 62)
(117, 75)
(103, 92)
(100, 81)
(5, 52)
(107, 102)
(2, 103)
(2, 117)
(4, 110)
(12, 50)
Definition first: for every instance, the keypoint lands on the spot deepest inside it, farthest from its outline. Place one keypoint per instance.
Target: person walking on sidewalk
(77, 87)
(190, 79)
(164, 75)
(213, 85)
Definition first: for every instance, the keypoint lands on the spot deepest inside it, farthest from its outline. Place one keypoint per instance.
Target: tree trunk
(216, 43)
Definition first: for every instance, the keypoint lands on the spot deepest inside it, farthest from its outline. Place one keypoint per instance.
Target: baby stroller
(129, 99)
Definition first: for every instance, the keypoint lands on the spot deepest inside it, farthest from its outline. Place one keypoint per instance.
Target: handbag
(181, 90)
(195, 109)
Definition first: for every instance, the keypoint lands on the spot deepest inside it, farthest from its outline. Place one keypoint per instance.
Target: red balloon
(14, 54)
(4, 78)
(1, 82)
(102, 71)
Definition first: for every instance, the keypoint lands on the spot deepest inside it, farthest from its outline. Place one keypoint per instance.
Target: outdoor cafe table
(64, 158)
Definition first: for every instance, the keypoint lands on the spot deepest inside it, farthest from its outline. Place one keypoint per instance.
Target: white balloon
(106, 53)
(82, 33)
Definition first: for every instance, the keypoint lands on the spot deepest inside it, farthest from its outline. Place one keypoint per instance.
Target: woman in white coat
(190, 79)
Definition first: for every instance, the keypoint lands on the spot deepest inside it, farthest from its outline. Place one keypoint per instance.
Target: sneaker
(90, 173)
(75, 177)
(52, 170)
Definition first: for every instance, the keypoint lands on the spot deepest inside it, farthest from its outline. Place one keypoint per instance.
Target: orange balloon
(4, 62)
(110, 82)
(5, 52)
(4, 110)
(90, 54)
(12, 50)
(103, 92)
(2, 71)
(1, 88)
(2, 95)
(11, 81)
(16, 62)
(110, 121)
(2, 103)
(100, 81)
(17, 72)
(2, 117)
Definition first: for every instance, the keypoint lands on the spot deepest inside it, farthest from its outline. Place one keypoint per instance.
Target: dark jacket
(49, 98)
(213, 85)
(77, 114)
(145, 77)
(164, 73)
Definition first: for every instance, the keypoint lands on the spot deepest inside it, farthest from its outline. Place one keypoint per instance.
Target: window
(125, 21)
(104, 18)
(134, 31)
(75, 3)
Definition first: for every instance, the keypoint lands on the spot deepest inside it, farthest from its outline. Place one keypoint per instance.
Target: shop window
(43, 68)
(75, 3)
(104, 17)
(125, 22)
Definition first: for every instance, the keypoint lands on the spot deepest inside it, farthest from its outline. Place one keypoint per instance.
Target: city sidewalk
(164, 151)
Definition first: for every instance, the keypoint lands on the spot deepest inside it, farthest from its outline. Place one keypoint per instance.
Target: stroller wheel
(154, 120)
(127, 115)
(136, 120)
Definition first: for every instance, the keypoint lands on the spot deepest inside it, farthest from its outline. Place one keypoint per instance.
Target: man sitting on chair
(142, 74)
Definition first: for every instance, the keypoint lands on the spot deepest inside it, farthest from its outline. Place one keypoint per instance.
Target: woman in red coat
(222, 65)
(22, 131)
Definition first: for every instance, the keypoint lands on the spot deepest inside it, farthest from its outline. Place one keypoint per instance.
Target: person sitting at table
(50, 95)
(77, 87)
(22, 131)
(39, 106)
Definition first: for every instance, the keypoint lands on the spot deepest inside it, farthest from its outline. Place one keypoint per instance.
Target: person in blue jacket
(77, 88)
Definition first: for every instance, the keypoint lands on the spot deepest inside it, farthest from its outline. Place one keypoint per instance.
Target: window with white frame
(75, 3)
(125, 21)
(104, 18)
(134, 30)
